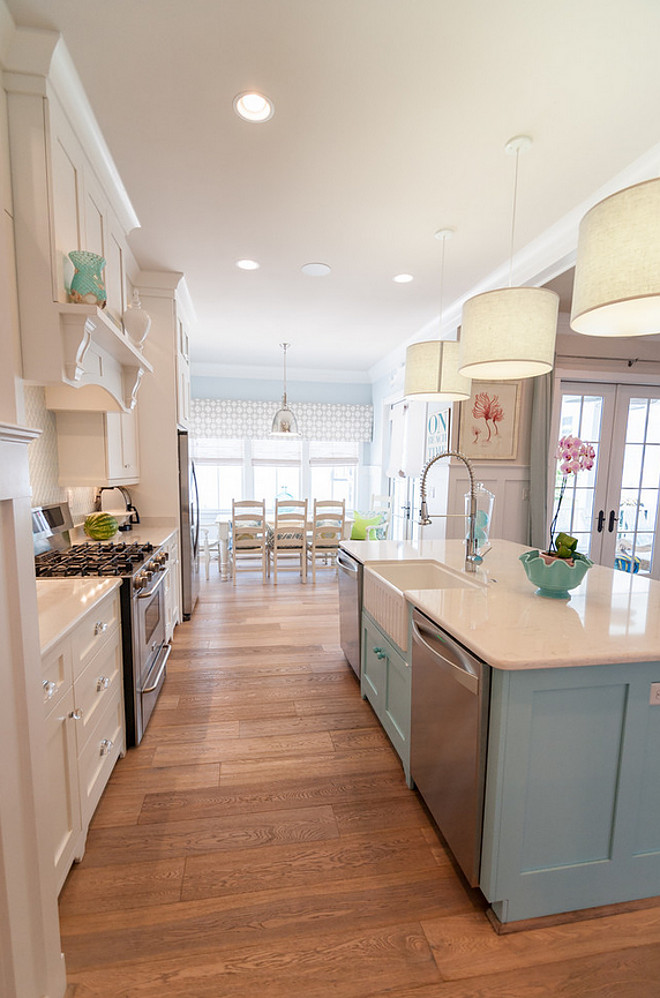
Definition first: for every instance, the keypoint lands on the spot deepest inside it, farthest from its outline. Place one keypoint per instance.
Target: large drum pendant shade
(509, 333)
(617, 274)
(432, 373)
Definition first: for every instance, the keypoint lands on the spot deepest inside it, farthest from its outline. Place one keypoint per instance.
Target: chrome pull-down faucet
(472, 556)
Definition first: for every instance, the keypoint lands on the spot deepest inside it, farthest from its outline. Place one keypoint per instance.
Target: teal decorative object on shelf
(87, 286)
(555, 576)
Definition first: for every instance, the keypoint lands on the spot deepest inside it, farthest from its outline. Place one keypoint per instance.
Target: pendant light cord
(284, 347)
(513, 216)
(442, 280)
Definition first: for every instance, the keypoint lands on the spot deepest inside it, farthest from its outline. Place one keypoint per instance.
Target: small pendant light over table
(284, 422)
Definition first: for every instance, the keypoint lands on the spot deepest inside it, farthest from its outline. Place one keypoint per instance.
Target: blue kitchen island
(571, 816)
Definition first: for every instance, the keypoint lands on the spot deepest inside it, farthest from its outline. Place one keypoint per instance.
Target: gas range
(93, 558)
(143, 571)
(138, 562)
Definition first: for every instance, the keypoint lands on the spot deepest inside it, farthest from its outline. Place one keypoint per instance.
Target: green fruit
(100, 526)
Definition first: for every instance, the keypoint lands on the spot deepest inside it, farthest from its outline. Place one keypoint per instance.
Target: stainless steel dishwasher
(350, 608)
(449, 730)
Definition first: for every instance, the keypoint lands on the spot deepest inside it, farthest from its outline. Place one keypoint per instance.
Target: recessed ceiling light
(315, 269)
(403, 278)
(247, 264)
(252, 106)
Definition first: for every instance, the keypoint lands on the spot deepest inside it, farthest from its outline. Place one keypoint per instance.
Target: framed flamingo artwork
(489, 421)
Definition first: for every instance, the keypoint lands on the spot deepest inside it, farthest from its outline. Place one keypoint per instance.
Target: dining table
(223, 524)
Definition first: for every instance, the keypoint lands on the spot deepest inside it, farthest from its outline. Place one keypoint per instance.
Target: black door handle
(601, 520)
(611, 521)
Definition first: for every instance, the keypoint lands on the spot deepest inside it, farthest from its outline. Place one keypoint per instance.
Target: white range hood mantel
(96, 367)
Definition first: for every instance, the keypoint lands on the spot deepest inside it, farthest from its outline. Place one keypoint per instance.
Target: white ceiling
(390, 122)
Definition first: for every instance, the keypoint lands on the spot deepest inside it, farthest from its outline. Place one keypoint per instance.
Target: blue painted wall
(258, 390)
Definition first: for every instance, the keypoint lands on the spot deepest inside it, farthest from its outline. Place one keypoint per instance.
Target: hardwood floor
(261, 841)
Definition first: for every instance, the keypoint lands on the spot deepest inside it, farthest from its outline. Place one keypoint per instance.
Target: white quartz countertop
(62, 602)
(611, 617)
(370, 551)
(138, 535)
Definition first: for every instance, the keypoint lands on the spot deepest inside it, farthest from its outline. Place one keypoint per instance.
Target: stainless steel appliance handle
(146, 595)
(196, 507)
(348, 566)
(447, 651)
(150, 689)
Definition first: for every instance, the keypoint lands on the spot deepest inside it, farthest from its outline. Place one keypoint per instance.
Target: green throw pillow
(361, 523)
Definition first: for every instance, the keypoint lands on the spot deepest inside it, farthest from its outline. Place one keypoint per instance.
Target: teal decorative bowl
(556, 578)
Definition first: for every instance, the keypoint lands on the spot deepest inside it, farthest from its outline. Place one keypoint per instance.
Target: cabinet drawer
(96, 687)
(96, 629)
(99, 755)
(56, 674)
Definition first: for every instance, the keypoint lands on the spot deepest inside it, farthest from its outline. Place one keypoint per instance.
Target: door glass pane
(653, 428)
(640, 485)
(632, 466)
(637, 417)
(581, 417)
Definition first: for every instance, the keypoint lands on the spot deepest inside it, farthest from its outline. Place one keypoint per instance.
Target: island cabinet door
(572, 809)
(385, 683)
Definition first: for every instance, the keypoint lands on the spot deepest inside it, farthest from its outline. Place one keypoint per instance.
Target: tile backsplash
(42, 459)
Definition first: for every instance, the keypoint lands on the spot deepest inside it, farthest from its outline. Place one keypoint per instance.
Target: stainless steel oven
(143, 571)
(150, 649)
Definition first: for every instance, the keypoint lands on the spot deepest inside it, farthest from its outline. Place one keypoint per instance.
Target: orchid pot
(562, 567)
(555, 576)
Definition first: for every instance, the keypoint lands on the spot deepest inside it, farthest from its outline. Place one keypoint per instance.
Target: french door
(613, 509)
(404, 503)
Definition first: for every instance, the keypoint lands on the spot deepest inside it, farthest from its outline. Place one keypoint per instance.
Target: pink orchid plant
(573, 456)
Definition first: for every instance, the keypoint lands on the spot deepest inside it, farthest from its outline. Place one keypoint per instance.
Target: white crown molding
(551, 254)
(201, 370)
(167, 284)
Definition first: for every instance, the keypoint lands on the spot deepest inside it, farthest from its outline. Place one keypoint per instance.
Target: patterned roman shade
(232, 418)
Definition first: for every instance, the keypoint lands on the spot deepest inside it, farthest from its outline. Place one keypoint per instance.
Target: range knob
(140, 580)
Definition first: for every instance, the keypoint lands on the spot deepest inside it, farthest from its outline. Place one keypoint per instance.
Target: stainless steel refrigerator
(189, 514)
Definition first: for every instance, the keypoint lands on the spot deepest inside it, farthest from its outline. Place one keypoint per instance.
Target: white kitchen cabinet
(97, 448)
(67, 196)
(165, 398)
(183, 373)
(85, 731)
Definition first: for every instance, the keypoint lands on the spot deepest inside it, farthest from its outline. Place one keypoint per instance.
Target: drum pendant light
(432, 365)
(284, 422)
(510, 332)
(616, 291)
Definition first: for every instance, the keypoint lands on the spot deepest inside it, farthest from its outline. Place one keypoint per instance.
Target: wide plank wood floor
(261, 841)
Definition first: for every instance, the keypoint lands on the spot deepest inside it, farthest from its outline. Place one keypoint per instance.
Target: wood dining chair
(289, 537)
(249, 532)
(326, 532)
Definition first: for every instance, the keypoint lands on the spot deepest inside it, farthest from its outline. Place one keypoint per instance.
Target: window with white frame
(276, 469)
(333, 470)
(273, 468)
(219, 470)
